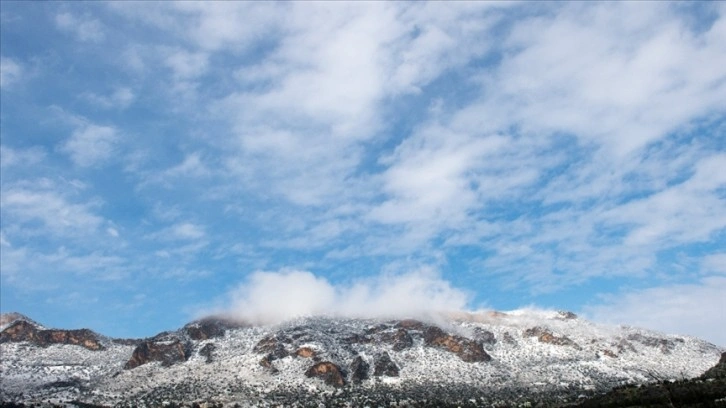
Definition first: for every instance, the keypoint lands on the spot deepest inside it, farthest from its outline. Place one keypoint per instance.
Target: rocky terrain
(487, 359)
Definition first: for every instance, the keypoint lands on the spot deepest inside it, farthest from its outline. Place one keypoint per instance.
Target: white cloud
(420, 294)
(36, 270)
(46, 203)
(182, 231)
(621, 75)
(10, 71)
(186, 65)
(84, 28)
(91, 144)
(715, 263)
(316, 100)
(696, 309)
(121, 98)
(10, 157)
(690, 211)
(187, 231)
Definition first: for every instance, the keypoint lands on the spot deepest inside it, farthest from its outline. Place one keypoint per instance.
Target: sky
(160, 161)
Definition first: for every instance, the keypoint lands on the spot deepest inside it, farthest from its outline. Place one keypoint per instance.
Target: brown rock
(22, 330)
(210, 327)
(467, 349)
(609, 353)
(305, 352)
(328, 372)
(400, 339)
(166, 353)
(271, 345)
(410, 324)
(546, 336)
(266, 362)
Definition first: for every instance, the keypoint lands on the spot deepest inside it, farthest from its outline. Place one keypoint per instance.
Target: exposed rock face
(468, 350)
(546, 336)
(507, 337)
(167, 353)
(485, 336)
(209, 328)
(305, 352)
(273, 346)
(410, 324)
(358, 370)
(7, 318)
(384, 366)
(665, 345)
(328, 372)
(566, 315)
(266, 362)
(22, 330)
(624, 346)
(400, 339)
(208, 351)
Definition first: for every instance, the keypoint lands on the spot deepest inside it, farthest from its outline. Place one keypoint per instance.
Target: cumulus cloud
(274, 297)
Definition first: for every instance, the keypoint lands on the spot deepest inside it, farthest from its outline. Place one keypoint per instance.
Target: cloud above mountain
(273, 297)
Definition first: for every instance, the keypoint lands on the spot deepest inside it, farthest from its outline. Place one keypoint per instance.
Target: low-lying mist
(275, 297)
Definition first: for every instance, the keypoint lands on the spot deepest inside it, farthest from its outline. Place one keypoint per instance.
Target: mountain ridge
(518, 356)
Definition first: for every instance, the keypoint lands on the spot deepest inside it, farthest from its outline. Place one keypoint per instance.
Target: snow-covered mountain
(464, 359)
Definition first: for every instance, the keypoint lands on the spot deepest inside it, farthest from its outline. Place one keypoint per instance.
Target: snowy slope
(526, 354)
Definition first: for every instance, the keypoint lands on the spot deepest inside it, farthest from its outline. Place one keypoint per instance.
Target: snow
(235, 369)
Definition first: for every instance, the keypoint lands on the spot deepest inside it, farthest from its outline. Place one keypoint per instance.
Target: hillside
(500, 359)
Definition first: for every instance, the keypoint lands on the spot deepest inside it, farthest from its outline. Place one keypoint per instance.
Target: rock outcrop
(210, 327)
(664, 345)
(22, 330)
(359, 370)
(468, 350)
(546, 336)
(330, 373)
(208, 351)
(384, 366)
(167, 353)
(305, 352)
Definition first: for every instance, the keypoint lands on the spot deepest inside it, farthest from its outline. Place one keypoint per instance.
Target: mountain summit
(464, 359)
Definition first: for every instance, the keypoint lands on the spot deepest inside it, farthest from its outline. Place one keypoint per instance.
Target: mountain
(484, 359)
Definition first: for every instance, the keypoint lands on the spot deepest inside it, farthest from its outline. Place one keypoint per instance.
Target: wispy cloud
(120, 98)
(45, 202)
(693, 308)
(84, 28)
(90, 144)
(526, 150)
(10, 71)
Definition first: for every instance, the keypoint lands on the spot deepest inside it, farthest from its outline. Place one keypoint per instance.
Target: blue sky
(163, 160)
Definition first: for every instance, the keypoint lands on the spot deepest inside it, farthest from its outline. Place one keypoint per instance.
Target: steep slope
(708, 390)
(463, 359)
